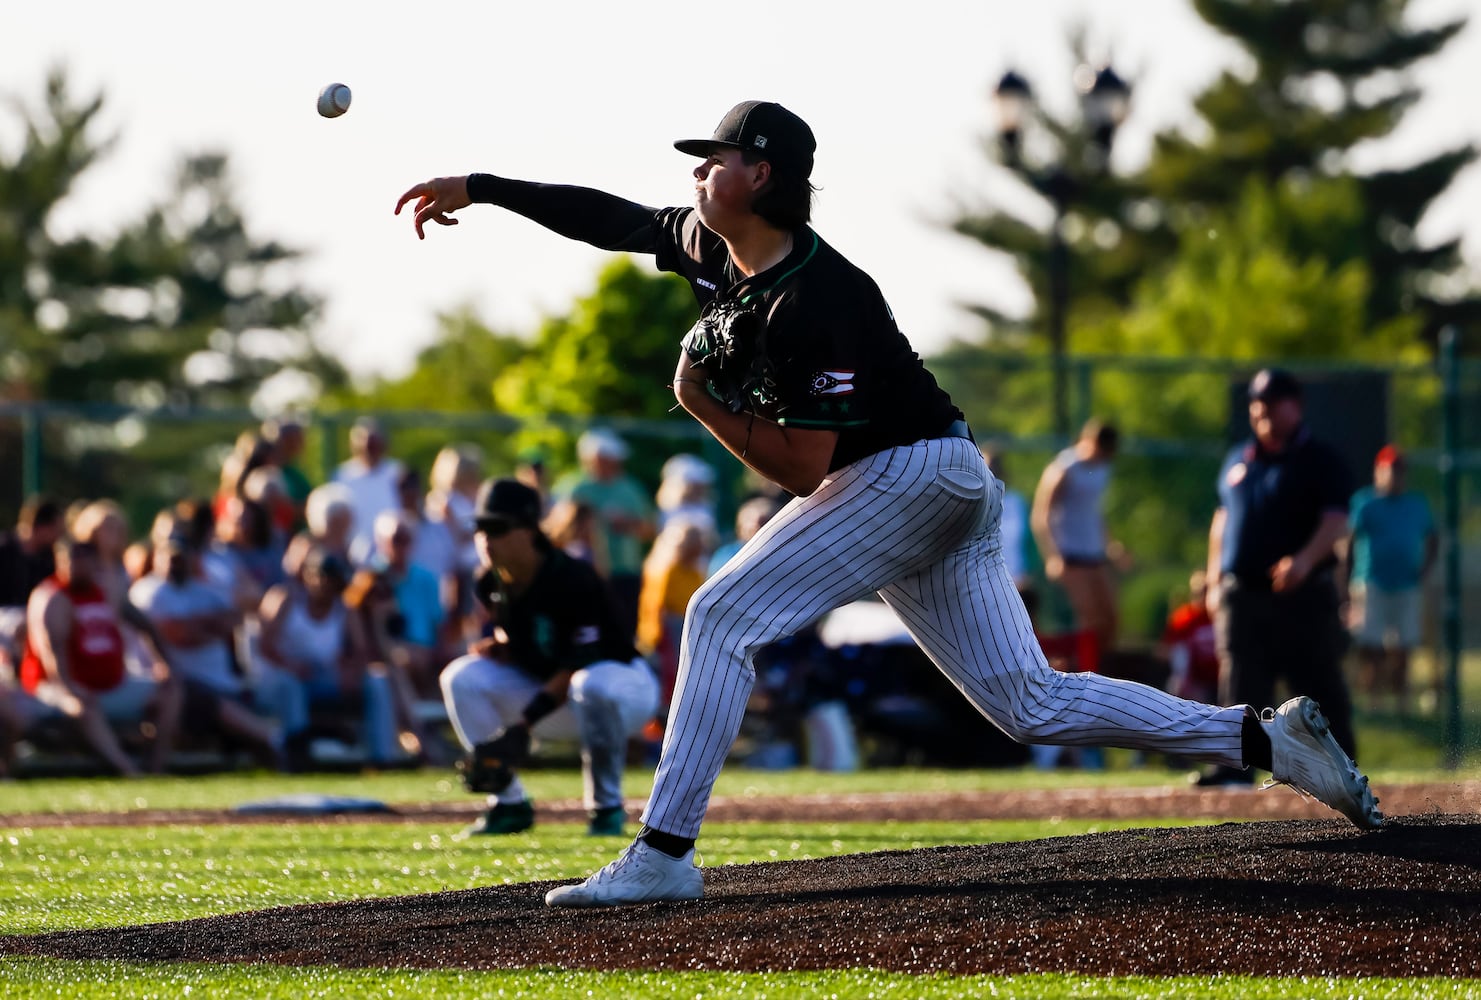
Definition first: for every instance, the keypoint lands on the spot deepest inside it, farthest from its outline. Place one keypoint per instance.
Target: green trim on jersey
(794, 422)
(748, 297)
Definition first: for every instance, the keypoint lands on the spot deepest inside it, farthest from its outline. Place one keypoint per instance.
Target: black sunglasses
(496, 528)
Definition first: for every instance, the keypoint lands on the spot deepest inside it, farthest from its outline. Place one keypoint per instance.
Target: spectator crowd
(285, 621)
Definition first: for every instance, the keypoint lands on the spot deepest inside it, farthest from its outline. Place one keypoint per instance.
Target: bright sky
(593, 93)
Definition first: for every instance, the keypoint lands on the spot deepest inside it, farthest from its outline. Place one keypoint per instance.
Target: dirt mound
(1275, 898)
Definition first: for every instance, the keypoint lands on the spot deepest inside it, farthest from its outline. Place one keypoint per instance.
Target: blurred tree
(612, 356)
(181, 306)
(1325, 77)
(1064, 185)
(454, 374)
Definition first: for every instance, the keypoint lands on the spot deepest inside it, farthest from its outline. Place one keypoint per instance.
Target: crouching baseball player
(557, 665)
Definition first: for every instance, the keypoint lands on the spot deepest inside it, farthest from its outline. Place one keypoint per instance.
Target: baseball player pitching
(797, 367)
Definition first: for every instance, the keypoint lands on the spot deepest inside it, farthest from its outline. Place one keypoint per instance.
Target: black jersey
(840, 361)
(564, 620)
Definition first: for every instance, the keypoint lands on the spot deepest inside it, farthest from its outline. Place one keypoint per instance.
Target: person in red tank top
(74, 648)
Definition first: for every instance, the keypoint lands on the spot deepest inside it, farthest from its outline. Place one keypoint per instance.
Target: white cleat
(640, 874)
(1306, 756)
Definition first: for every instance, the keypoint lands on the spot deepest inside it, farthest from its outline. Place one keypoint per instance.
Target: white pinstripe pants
(918, 525)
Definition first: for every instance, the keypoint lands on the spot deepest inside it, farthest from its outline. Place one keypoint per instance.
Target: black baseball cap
(1273, 384)
(504, 503)
(764, 128)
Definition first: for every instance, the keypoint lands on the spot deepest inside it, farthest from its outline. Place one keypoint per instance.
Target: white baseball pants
(919, 525)
(608, 703)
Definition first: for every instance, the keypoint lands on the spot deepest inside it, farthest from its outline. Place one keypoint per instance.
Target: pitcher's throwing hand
(436, 201)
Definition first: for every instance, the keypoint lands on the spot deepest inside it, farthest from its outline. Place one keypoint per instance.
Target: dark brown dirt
(1271, 897)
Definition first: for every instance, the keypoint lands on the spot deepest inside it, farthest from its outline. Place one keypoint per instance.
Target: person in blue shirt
(1393, 546)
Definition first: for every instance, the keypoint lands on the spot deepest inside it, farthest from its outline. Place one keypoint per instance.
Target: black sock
(674, 847)
(1255, 742)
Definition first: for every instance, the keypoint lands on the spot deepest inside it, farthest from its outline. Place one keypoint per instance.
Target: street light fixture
(1105, 100)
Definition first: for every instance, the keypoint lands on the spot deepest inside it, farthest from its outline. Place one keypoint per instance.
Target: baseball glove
(490, 766)
(728, 344)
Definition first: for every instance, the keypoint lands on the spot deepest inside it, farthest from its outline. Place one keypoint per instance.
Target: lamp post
(1105, 99)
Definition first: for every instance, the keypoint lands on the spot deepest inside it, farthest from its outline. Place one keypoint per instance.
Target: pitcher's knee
(716, 612)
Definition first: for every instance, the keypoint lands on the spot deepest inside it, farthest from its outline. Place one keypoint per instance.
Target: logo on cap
(759, 142)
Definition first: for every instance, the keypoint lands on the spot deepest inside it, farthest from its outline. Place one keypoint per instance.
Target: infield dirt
(1287, 897)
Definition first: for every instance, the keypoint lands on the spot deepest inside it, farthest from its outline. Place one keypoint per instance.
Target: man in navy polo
(1283, 503)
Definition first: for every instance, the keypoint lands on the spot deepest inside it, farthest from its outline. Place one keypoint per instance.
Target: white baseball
(334, 100)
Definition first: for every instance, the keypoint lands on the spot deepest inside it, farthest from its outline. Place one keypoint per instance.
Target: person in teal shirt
(1393, 546)
(624, 514)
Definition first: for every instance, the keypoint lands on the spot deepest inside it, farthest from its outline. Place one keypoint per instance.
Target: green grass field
(87, 876)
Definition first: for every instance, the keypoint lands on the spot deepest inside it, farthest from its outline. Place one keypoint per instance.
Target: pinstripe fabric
(918, 525)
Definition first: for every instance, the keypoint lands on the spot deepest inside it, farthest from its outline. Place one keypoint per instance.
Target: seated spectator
(456, 472)
(418, 611)
(26, 551)
(197, 625)
(435, 549)
(673, 571)
(102, 524)
(247, 539)
(1189, 646)
(749, 519)
(686, 491)
(571, 527)
(317, 647)
(74, 658)
(330, 514)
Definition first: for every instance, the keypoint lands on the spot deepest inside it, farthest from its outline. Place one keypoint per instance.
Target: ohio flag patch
(832, 383)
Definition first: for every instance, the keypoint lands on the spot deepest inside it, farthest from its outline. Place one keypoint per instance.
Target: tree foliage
(183, 305)
(180, 306)
(1326, 76)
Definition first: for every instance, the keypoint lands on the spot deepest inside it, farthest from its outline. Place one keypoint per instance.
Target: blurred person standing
(623, 511)
(371, 477)
(1392, 549)
(1068, 522)
(1272, 582)
(285, 435)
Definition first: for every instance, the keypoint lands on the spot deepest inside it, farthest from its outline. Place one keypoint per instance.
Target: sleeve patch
(832, 383)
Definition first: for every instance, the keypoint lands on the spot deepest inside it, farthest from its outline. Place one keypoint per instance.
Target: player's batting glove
(489, 767)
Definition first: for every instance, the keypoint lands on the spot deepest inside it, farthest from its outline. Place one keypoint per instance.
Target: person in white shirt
(372, 477)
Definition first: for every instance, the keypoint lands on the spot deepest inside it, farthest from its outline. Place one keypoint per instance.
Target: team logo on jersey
(832, 383)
